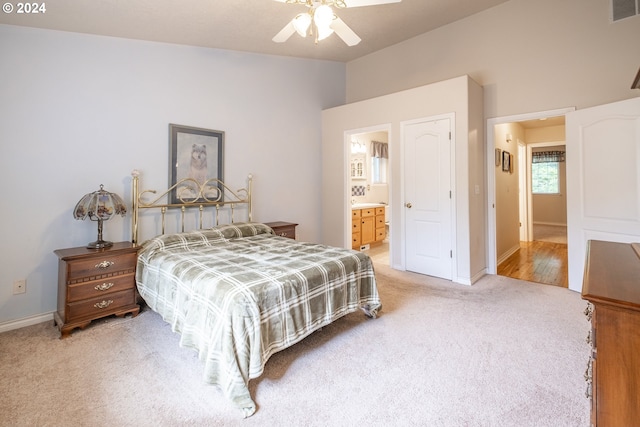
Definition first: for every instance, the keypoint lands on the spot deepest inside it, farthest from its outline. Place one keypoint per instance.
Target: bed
(237, 293)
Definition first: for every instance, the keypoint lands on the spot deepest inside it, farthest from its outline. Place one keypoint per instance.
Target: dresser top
(612, 274)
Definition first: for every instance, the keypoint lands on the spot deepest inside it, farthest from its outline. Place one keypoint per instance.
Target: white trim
(524, 209)
(510, 252)
(558, 224)
(491, 177)
(24, 322)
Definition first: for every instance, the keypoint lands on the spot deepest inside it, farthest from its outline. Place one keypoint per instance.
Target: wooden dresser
(94, 283)
(612, 287)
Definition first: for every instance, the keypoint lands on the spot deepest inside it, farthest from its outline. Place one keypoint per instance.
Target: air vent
(621, 9)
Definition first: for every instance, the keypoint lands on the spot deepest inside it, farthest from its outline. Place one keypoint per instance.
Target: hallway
(538, 261)
(542, 261)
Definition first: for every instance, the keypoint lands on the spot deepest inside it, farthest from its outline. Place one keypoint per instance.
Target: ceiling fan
(320, 21)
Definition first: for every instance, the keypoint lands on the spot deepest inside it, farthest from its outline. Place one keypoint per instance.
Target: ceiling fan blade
(344, 32)
(285, 33)
(359, 3)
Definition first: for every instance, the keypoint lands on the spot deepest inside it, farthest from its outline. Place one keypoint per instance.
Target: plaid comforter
(238, 294)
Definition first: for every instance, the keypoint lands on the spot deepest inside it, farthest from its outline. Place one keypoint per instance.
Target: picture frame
(196, 160)
(506, 161)
(498, 156)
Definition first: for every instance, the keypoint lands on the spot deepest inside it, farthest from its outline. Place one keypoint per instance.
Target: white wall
(528, 56)
(507, 191)
(77, 111)
(459, 95)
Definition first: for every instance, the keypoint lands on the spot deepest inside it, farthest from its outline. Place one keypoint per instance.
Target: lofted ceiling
(247, 25)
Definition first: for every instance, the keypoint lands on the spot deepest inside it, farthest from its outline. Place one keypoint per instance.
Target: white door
(603, 179)
(427, 197)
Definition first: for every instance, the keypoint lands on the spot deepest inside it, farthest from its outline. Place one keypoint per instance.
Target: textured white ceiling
(247, 25)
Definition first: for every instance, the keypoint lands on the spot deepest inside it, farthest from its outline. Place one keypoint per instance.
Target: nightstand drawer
(289, 232)
(102, 305)
(102, 266)
(97, 288)
(283, 229)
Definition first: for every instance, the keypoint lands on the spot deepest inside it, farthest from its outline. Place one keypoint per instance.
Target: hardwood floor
(541, 262)
(537, 261)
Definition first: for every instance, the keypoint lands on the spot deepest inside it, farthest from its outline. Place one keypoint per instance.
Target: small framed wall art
(506, 161)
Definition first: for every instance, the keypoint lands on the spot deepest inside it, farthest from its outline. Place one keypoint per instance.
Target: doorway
(516, 246)
(368, 190)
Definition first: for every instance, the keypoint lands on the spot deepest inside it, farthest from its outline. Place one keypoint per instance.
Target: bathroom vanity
(367, 224)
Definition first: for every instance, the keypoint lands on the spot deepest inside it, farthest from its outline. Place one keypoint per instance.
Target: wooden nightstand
(284, 229)
(95, 283)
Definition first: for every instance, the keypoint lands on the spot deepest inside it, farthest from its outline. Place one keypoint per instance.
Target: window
(621, 9)
(379, 156)
(545, 172)
(545, 178)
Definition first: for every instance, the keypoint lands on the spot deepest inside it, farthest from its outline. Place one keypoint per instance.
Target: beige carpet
(500, 353)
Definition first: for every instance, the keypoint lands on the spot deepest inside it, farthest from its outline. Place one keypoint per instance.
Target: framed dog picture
(195, 164)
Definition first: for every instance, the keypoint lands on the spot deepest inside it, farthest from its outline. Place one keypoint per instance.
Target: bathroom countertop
(367, 205)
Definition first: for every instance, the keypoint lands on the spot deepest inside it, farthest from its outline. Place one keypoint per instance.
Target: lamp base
(99, 244)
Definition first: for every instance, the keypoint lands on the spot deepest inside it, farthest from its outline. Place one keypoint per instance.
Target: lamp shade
(99, 206)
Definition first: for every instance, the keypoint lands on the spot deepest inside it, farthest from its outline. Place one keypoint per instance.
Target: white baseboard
(27, 321)
(549, 223)
(507, 254)
(478, 275)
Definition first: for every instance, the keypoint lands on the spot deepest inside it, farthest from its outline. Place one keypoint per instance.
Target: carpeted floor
(550, 233)
(502, 352)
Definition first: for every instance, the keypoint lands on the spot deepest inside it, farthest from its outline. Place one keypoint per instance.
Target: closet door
(427, 197)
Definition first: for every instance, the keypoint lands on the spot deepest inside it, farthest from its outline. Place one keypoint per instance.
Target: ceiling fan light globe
(322, 16)
(301, 24)
(323, 33)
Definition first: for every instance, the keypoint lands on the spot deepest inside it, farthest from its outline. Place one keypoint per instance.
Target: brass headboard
(211, 194)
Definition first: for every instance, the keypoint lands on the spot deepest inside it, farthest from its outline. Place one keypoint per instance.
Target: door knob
(408, 205)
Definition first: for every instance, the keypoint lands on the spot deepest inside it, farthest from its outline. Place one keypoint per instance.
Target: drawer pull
(283, 234)
(588, 373)
(103, 304)
(589, 392)
(104, 264)
(589, 311)
(103, 287)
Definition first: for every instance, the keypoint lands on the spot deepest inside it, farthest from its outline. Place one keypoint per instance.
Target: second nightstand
(284, 229)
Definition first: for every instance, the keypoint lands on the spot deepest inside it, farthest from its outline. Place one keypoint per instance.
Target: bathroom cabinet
(367, 226)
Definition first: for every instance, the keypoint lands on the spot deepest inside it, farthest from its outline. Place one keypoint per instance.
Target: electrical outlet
(19, 287)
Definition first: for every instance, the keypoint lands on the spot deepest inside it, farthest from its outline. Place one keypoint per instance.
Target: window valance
(547, 156)
(380, 149)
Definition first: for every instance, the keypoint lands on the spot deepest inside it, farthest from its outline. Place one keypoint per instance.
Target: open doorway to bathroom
(369, 192)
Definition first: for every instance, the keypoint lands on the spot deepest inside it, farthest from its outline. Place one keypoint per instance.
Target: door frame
(492, 260)
(452, 171)
(524, 195)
